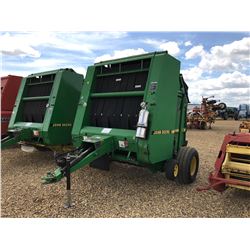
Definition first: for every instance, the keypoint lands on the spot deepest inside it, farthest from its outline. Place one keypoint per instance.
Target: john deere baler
(45, 109)
(132, 110)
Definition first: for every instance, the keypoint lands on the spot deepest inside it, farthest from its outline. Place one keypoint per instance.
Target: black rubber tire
(184, 158)
(225, 117)
(203, 125)
(169, 167)
(102, 163)
(222, 105)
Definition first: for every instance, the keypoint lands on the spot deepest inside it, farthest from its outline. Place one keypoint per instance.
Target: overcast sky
(212, 63)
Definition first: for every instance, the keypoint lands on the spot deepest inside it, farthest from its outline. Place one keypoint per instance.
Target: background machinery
(44, 111)
(131, 110)
(9, 88)
(229, 112)
(244, 127)
(203, 116)
(244, 111)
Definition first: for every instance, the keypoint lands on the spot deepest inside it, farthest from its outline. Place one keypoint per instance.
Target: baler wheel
(188, 160)
(102, 163)
(171, 169)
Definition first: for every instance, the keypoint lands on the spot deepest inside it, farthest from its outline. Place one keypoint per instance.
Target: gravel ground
(125, 191)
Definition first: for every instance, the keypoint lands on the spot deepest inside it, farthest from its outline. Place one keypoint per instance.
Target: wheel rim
(193, 166)
(176, 170)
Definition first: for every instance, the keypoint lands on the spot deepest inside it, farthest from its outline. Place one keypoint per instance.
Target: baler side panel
(59, 118)
(50, 109)
(83, 108)
(183, 96)
(163, 112)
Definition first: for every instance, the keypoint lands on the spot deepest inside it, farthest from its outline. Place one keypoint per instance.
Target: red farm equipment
(9, 88)
(203, 116)
(232, 166)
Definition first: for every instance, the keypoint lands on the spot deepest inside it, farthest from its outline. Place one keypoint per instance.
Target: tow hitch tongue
(58, 175)
(78, 158)
(65, 161)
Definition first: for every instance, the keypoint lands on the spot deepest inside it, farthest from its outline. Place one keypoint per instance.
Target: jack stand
(68, 203)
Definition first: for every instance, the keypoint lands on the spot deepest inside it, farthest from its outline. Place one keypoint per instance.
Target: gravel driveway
(125, 191)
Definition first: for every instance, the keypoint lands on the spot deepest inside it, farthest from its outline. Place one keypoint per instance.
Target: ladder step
(36, 98)
(38, 83)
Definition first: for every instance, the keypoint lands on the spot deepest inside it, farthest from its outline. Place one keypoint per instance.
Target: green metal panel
(61, 104)
(162, 106)
(62, 108)
(83, 112)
